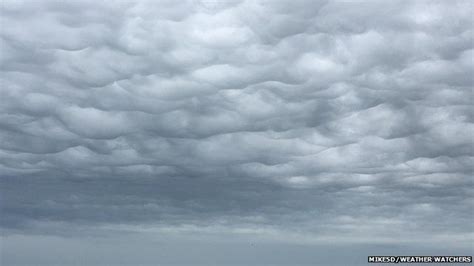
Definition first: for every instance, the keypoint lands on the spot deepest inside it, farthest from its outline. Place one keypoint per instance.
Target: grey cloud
(322, 119)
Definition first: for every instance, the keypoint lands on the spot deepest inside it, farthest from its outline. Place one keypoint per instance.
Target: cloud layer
(312, 121)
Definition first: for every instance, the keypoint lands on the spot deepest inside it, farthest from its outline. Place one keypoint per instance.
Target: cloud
(328, 119)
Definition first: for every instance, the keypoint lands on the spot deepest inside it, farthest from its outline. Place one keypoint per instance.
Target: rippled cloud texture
(270, 122)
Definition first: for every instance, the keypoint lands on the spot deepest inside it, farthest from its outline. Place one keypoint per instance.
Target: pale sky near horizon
(235, 132)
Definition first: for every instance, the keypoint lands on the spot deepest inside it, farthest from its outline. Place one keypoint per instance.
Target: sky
(235, 132)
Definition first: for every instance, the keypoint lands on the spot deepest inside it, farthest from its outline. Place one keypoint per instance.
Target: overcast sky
(244, 132)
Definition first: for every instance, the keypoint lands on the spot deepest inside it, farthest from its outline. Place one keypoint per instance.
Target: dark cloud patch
(304, 121)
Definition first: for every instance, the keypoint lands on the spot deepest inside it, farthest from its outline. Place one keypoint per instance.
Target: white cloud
(310, 115)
